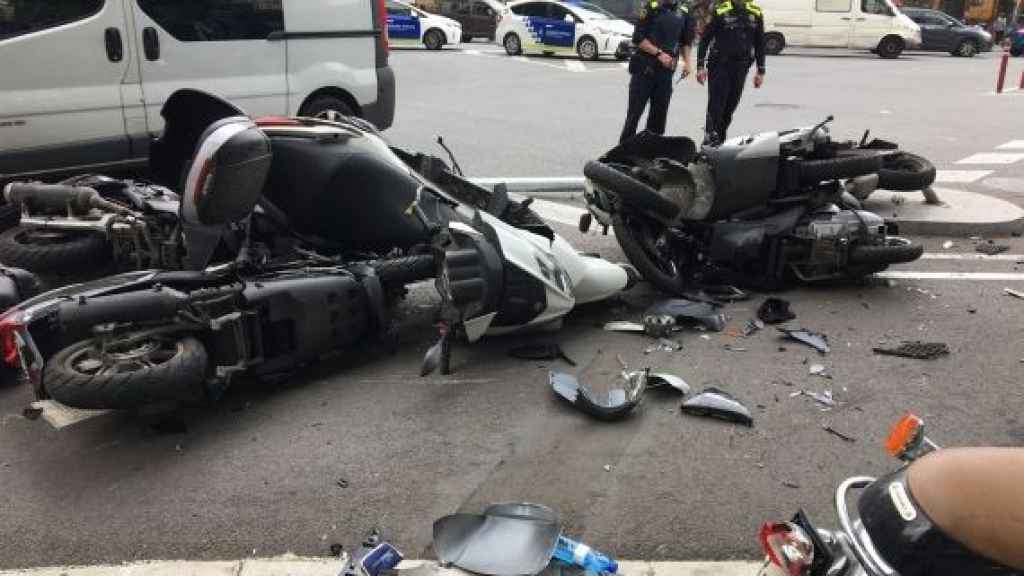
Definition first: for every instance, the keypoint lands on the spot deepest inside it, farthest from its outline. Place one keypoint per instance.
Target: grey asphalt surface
(258, 473)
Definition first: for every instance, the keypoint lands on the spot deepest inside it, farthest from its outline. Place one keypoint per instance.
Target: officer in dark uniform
(736, 39)
(663, 32)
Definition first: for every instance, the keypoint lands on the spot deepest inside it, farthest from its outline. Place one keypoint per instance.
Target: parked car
(479, 18)
(942, 32)
(876, 25)
(84, 80)
(553, 26)
(410, 26)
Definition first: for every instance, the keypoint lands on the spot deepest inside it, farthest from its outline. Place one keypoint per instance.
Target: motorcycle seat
(976, 497)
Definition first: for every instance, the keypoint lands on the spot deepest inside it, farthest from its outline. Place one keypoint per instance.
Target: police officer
(735, 36)
(663, 32)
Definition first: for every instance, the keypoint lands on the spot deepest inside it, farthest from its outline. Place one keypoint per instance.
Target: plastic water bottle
(578, 554)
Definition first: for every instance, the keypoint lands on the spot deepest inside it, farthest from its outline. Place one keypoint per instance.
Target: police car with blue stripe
(564, 27)
(409, 26)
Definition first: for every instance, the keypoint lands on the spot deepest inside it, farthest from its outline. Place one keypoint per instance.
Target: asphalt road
(360, 441)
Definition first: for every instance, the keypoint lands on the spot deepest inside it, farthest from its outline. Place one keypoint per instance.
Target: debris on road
(336, 549)
(624, 326)
(775, 311)
(990, 248)
(664, 345)
(818, 370)
(374, 558)
(342, 483)
(948, 244)
(618, 402)
(662, 380)
(792, 485)
(838, 434)
(1014, 293)
(916, 350)
(825, 398)
(817, 341)
(717, 403)
(607, 467)
(752, 326)
(662, 317)
(543, 351)
(31, 413)
(506, 539)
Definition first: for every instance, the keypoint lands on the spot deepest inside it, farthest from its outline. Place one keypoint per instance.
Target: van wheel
(966, 49)
(774, 43)
(513, 47)
(587, 49)
(433, 39)
(466, 38)
(329, 108)
(890, 47)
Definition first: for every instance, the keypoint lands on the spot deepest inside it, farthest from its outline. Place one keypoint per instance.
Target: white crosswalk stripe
(960, 176)
(1012, 145)
(575, 66)
(992, 158)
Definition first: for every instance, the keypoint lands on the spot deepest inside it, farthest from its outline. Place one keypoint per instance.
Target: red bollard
(1002, 72)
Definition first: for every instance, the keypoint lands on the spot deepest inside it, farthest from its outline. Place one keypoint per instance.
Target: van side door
(831, 23)
(63, 67)
(873, 23)
(234, 49)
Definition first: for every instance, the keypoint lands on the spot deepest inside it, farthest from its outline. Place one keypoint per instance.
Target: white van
(84, 80)
(875, 25)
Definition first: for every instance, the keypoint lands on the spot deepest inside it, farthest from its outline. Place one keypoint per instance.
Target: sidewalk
(289, 565)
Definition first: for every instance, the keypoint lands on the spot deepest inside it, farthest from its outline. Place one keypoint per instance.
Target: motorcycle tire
(630, 191)
(845, 164)
(82, 376)
(53, 251)
(633, 234)
(10, 215)
(896, 250)
(905, 172)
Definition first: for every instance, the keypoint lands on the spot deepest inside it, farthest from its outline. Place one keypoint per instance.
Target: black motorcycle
(756, 211)
(952, 512)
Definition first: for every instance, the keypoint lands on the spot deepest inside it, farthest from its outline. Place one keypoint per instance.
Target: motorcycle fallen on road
(952, 512)
(153, 338)
(756, 211)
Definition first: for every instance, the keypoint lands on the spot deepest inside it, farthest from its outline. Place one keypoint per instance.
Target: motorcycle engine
(830, 233)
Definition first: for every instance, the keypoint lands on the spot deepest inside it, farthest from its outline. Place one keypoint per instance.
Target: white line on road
(1012, 145)
(575, 66)
(975, 257)
(913, 275)
(960, 176)
(992, 158)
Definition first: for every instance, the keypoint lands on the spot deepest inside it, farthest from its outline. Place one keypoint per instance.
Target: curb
(962, 213)
(290, 565)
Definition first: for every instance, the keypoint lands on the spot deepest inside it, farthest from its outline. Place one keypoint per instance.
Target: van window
(216, 20)
(536, 9)
(481, 9)
(832, 5)
(27, 16)
(875, 7)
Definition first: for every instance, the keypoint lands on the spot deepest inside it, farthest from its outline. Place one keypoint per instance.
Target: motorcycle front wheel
(905, 172)
(48, 251)
(646, 245)
(128, 371)
(895, 250)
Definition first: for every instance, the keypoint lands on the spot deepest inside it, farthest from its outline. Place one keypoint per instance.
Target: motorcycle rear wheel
(53, 251)
(905, 172)
(653, 257)
(896, 250)
(133, 371)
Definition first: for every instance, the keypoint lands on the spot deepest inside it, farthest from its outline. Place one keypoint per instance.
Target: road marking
(625, 65)
(975, 257)
(575, 66)
(913, 275)
(1012, 145)
(992, 158)
(960, 176)
(473, 52)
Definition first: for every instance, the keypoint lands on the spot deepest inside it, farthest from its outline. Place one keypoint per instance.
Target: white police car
(408, 25)
(557, 27)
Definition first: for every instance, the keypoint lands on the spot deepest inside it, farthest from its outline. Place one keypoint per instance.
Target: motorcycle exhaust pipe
(139, 306)
(60, 197)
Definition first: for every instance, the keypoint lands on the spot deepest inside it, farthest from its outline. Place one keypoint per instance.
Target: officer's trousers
(648, 85)
(725, 87)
